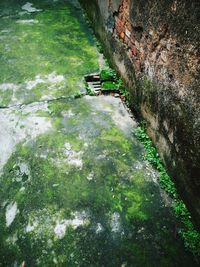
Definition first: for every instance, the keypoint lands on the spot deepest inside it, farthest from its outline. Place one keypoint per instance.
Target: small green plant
(189, 234)
(111, 81)
(108, 75)
(109, 85)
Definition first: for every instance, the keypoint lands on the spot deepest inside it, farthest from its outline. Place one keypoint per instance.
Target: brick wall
(155, 52)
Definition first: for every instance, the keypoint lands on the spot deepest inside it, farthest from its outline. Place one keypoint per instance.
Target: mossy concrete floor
(74, 188)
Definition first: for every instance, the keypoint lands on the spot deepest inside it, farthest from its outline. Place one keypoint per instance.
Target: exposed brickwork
(156, 53)
(124, 30)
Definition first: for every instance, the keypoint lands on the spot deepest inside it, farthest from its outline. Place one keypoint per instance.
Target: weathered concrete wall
(154, 44)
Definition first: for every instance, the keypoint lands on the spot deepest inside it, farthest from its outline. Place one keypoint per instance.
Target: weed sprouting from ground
(190, 235)
(111, 81)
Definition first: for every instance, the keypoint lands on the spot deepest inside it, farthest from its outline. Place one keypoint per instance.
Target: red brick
(122, 35)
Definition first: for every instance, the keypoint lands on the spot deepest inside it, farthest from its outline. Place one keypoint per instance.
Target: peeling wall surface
(155, 47)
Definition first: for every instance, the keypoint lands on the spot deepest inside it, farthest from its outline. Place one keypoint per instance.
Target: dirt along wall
(154, 45)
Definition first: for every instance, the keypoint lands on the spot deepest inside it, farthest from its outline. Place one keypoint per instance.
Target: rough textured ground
(74, 188)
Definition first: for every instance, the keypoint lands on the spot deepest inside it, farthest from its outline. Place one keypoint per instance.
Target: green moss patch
(57, 44)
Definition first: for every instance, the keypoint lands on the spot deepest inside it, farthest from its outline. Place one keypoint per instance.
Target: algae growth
(74, 188)
(44, 54)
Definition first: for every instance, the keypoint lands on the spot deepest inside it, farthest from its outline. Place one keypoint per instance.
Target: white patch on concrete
(43, 156)
(11, 212)
(35, 107)
(8, 86)
(79, 219)
(24, 169)
(99, 229)
(22, 189)
(52, 82)
(54, 259)
(90, 177)
(152, 175)
(68, 147)
(55, 185)
(54, 78)
(73, 157)
(122, 119)
(60, 229)
(17, 179)
(115, 223)
(5, 31)
(29, 8)
(116, 109)
(41, 224)
(139, 165)
(31, 226)
(27, 21)
(101, 157)
(22, 13)
(15, 128)
(31, 84)
(85, 145)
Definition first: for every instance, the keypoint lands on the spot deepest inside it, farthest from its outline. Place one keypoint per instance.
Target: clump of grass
(108, 75)
(109, 85)
(111, 81)
(188, 232)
